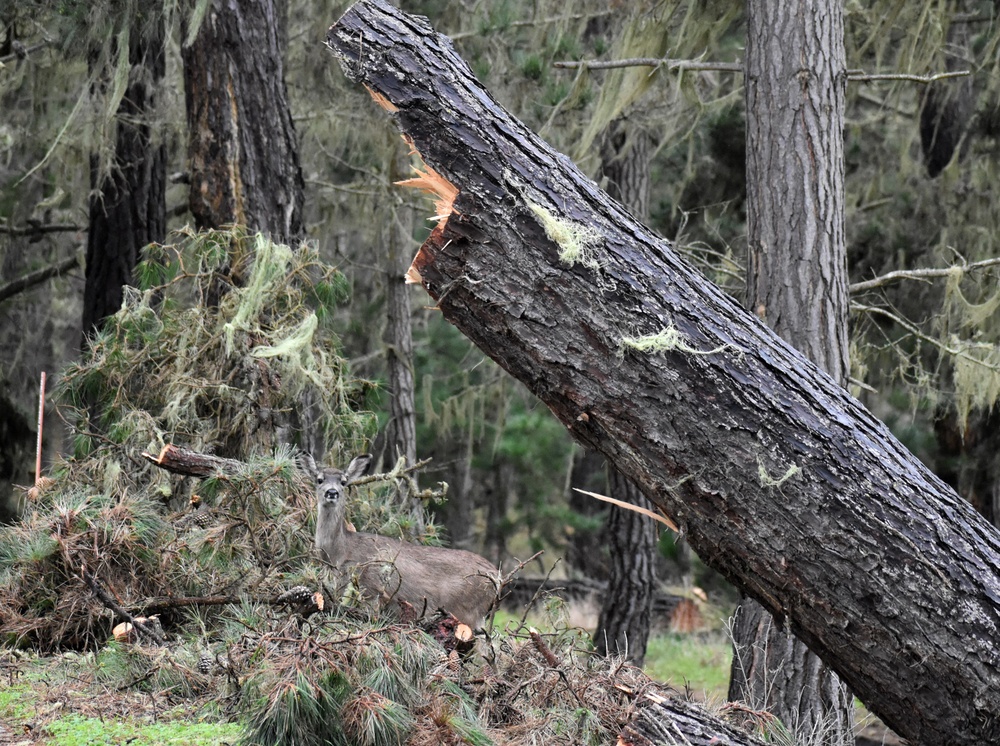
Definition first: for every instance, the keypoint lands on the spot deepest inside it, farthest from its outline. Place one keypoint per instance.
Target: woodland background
(921, 161)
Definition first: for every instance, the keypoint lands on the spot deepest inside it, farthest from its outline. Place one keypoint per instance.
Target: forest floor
(60, 700)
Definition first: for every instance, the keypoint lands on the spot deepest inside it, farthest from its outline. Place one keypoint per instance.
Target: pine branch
(37, 277)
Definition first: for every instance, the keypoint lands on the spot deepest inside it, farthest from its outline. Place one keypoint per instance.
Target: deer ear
(357, 468)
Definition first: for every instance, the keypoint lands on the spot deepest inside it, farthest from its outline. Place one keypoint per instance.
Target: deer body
(392, 571)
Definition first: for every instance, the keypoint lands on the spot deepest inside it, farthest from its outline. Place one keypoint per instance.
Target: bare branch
(853, 76)
(919, 274)
(859, 76)
(37, 277)
(22, 52)
(38, 229)
(694, 65)
(912, 329)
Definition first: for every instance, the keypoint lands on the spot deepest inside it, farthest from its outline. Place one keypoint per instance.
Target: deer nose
(331, 494)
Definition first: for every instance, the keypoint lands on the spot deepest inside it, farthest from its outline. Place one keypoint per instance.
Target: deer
(391, 571)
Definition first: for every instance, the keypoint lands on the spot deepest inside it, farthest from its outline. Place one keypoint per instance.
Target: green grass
(76, 731)
(24, 701)
(698, 662)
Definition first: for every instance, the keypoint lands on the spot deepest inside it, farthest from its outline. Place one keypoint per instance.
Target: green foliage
(182, 363)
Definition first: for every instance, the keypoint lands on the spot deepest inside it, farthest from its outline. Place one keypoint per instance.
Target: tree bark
(797, 283)
(667, 721)
(128, 208)
(785, 484)
(626, 614)
(632, 538)
(242, 150)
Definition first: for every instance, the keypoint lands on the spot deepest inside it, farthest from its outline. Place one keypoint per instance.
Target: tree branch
(859, 76)
(108, 601)
(853, 76)
(37, 277)
(919, 274)
(686, 65)
(38, 229)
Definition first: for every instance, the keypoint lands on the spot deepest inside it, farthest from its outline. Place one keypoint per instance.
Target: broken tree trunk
(785, 484)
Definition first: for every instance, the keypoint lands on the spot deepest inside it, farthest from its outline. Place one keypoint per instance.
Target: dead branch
(106, 599)
(920, 274)
(39, 229)
(37, 277)
(191, 463)
(669, 64)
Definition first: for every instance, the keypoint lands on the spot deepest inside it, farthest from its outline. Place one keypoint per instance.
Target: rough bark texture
(242, 149)
(401, 430)
(797, 283)
(624, 621)
(127, 205)
(666, 721)
(785, 483)
(631, 538)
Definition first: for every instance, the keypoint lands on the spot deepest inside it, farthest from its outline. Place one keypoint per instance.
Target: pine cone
(205, 663)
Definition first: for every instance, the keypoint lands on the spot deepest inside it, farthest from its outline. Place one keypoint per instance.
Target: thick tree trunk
(632, 538)
(242, 149)
(797, 283)
(128, 204)
(785, 483)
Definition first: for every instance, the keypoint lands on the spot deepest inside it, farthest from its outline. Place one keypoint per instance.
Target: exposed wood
(783, 482)
(191, 463)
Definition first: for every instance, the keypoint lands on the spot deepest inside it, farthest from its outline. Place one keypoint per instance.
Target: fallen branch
(144, 629)
(192, 463)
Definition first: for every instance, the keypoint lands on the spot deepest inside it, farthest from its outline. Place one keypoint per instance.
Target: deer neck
(332, 535)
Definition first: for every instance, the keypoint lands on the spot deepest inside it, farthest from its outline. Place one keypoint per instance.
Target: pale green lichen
(767, 480)
(576, 241)
(666, 340)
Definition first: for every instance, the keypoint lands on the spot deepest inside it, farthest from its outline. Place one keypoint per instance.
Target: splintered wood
(430, 181)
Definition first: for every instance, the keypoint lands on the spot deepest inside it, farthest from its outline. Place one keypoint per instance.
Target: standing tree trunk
(401, 430)
(785, 483)
(632, 538)
(242, 150)
(127, 200)
(797, 283)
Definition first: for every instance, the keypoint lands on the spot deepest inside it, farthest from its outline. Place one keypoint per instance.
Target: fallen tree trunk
(784, 483)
